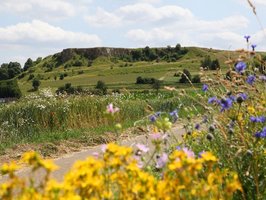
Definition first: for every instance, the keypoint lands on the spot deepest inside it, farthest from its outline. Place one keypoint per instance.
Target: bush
(185, 77)
(35, 84)
(101, 86)
(9, 89)
(196, 79)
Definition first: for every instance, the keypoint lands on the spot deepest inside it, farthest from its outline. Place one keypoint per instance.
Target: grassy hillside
(116, 72)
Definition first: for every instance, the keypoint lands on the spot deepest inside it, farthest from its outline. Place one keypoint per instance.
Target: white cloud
(46, 9)
(41, 33)
(103, 18)
(138, 13)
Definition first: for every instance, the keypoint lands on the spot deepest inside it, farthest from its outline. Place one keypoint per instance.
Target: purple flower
(213, 100)
(226, 104)
(143, 148)
(253, 46)
(261, 134)
(205, 87)
(243, 95)
(247, 37)
(251, 79)
(188, 152)
(153, 118)
(197, 126)
(233, 98)
(174, 115)
(260, 119)
(161, 161)
(263, 78)
(240, 67)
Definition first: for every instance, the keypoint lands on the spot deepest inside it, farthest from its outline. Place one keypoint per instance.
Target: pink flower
(161, 161)
(111, 109)
(142, 148)
(156, 136)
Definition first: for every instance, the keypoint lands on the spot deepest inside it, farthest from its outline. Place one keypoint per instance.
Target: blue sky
(37, 28)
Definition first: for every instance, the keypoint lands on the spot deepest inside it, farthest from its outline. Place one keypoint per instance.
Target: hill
(117, 67)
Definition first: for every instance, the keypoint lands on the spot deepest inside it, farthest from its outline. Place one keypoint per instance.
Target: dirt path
(65, 162)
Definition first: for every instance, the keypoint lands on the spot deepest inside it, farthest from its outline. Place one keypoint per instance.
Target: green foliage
(196, 79)
(185, 77)
(36, 83)
(8, 71)
(141, 80)
(28, 64)
(102, 87)
(9, 89)
(210, 64)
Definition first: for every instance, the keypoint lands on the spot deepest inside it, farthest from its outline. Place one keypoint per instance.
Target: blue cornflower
(197, 126)
(226, 104)
(212, 100)
(232, 97)
(253, 46)
(261, 134)
(205, 87)
(153, 118)
(260, 119)
(247, 37)
(174, 115)
(243, 95)
(240, 67)
(251, 79)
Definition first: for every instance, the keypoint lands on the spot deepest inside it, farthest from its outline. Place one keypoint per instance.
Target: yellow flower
(207, 156)
(251, 110)
(9, 168)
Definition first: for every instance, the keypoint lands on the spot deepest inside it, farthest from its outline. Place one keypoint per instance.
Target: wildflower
(213, 100)
(247, 38)
(153, 118)
(261, 134)
(161, 161)
(226, 104)
(260, 119)
(142, 148)
(111, 109)
(157, 114)
(253, 46)
(188, 152)
(197, 126)
(205, 87)
(240, 67)
(174, 115)
(263, 78)
(241, 97)
(251, 79)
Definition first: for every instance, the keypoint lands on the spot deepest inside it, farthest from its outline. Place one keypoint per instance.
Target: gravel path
(66, 162)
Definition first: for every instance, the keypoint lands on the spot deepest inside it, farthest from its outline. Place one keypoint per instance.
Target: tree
(101, 86)
(9, 89)
(177, 47)
(35, 84)
(157, 85)
(185, 77)
(28, 64)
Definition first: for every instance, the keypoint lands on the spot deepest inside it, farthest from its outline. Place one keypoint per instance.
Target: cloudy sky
(37, 28)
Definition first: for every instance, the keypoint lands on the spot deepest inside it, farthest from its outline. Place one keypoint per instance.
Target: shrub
(9, 89)
(185, 76)
(101, 86)
(35, 84)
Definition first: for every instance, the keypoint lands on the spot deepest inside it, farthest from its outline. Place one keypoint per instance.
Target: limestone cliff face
(91, 53)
